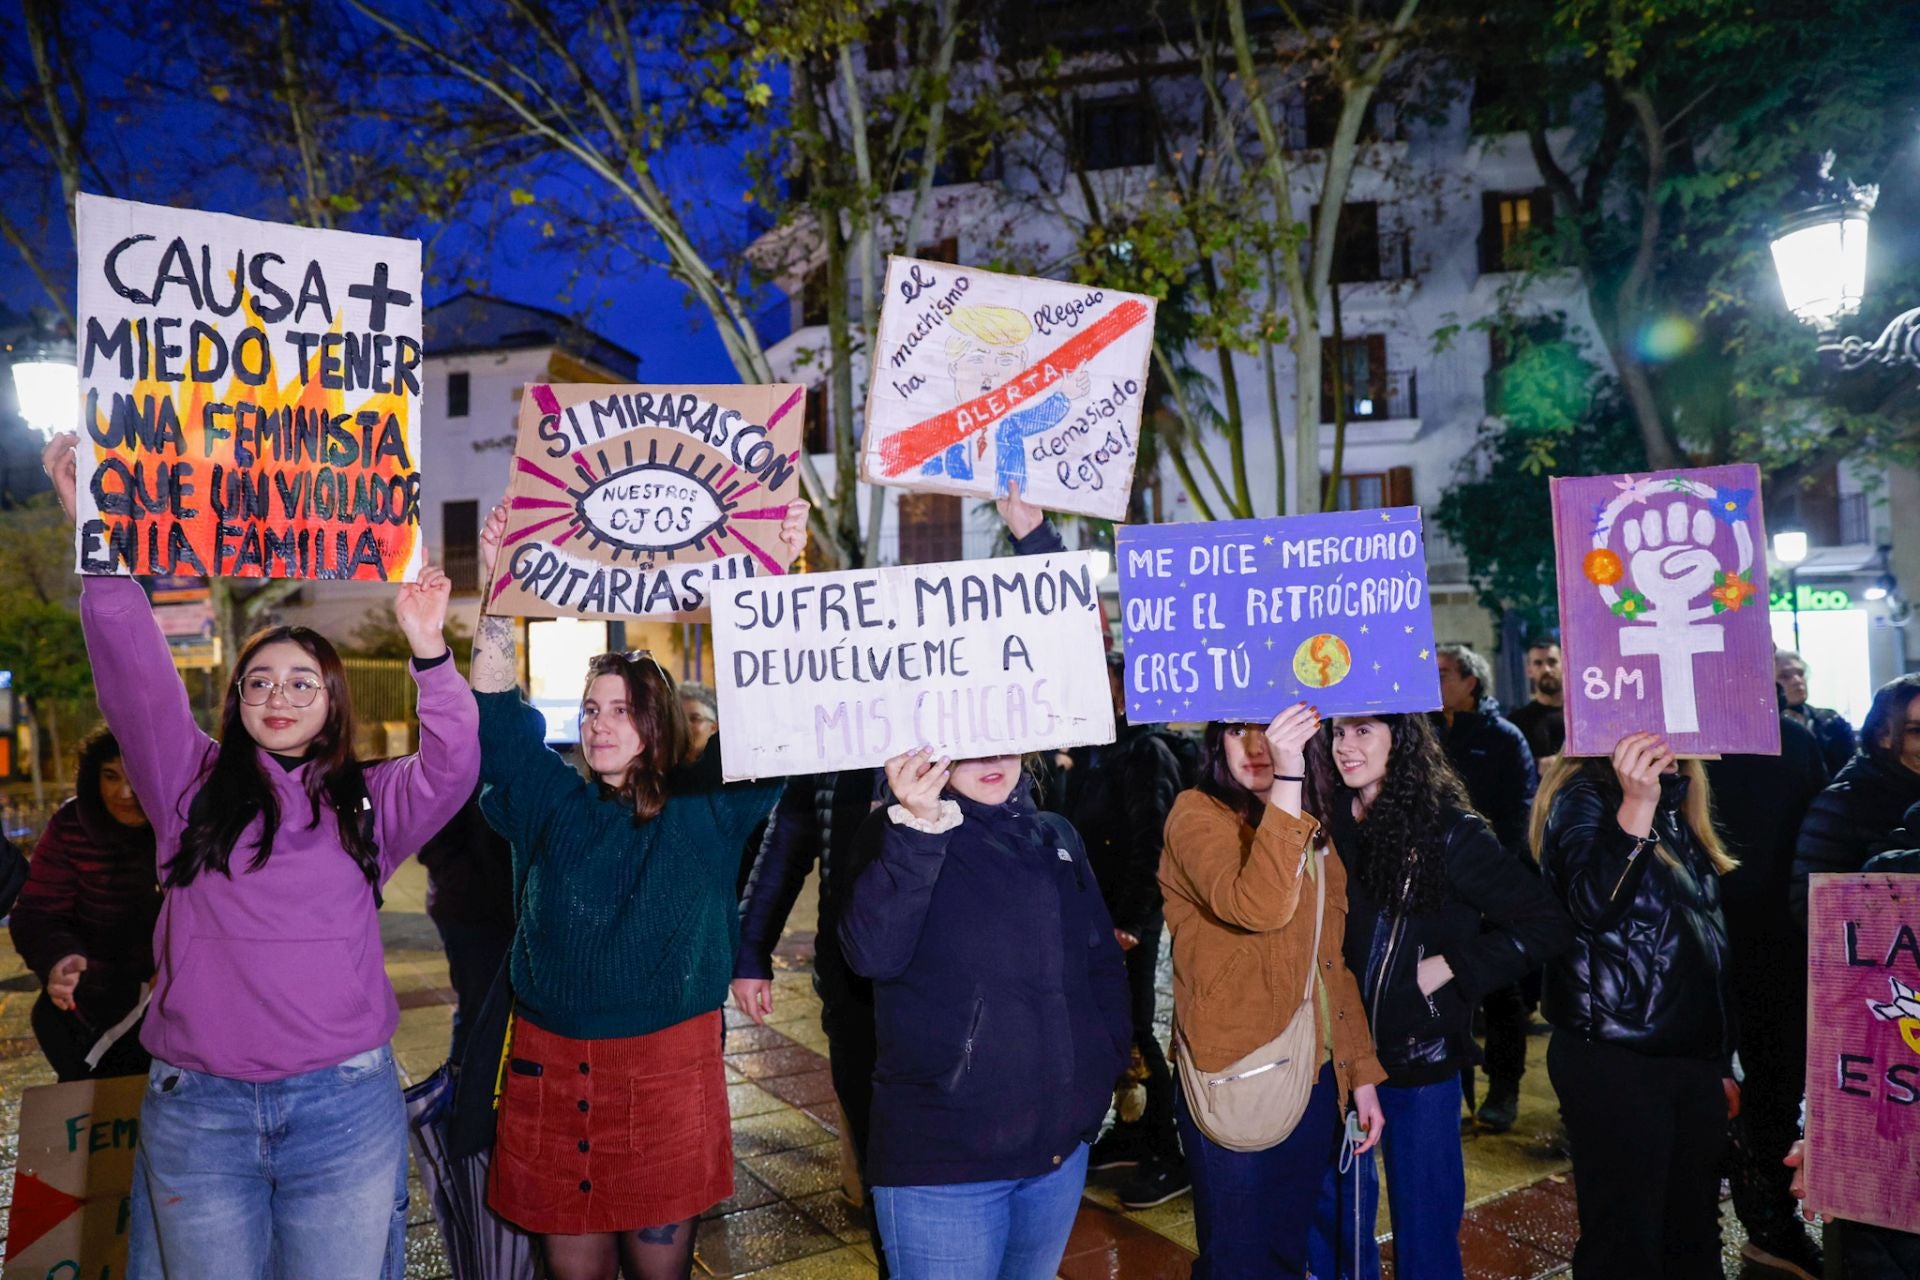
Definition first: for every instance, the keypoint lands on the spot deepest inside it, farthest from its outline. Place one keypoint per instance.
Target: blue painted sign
(1235, 619)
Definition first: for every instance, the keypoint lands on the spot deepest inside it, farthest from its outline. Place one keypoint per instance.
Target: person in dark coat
(1492, 757)
(470, 900)
(1118, 797)
(1829, 728)
(1424, 873)
(85, 917)
(1543, 719)
(1759, 804)
(1853, 818)
(1000, 1003)
(1641, 1006)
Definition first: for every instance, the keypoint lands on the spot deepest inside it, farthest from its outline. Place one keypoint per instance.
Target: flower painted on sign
(1730, 591)
(1630, 605)
(1729, 506)
(1603, 567)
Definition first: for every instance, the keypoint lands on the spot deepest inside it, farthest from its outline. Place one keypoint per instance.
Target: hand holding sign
(58, 461)
(1021, 516)
(421, 611)
(917, 779)
(1288, 736)
(492, 533)
(793, 529)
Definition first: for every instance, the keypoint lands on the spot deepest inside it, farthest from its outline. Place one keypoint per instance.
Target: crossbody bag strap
(1319, 917)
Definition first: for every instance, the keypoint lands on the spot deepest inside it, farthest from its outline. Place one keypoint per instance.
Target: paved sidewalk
(789, 1219)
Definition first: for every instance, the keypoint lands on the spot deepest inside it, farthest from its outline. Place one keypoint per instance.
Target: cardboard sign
(982, 379)
(70, 1190)
(250, 397)
(1863, 1048)
(843, 670)
(1235, 619)
(625, 501)
(1663, 611)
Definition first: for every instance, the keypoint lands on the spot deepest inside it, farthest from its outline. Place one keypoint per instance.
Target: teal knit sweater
(623, 929)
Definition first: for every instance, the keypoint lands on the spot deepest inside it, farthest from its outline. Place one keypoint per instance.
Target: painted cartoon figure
(1670, 584)
(988, 349)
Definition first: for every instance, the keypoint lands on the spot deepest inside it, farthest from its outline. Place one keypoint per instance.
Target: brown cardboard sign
(625, 501)
(71, 1189)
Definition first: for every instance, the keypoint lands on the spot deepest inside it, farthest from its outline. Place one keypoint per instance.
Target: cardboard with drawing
(625, 501)
(982, 379)
(72, 1187)
(250, 397)
(975, 658)
(1663, 610)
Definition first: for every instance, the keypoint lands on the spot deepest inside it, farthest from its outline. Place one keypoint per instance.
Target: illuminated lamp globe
(1789, 546)
(1820, 255)
(46, 386)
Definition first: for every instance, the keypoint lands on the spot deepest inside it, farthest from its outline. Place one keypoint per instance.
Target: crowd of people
(1351, 905)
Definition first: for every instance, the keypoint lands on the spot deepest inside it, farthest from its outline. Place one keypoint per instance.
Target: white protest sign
(250, 397)
(844, 670)
(982, 379)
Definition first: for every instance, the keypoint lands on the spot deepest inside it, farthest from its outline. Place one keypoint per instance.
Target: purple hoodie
(268, 973)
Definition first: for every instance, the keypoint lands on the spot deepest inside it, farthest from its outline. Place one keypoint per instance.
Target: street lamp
(1789, 549)
(46, 383)
(1821, 257)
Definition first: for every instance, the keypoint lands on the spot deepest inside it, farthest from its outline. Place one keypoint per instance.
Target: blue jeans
(297, 1179)
(1253, 1209)
(1426, 1186)
(1014, 1229)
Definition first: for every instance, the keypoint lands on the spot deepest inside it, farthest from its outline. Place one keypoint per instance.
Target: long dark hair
(1887, 718)
(235, 788)
(1216, 775)
(653, 700)
(1400, 856)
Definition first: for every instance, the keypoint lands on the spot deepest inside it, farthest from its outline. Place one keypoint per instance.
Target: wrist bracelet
(1289, 777)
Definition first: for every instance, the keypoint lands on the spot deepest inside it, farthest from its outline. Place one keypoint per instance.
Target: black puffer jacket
(1421, 1038)
(1493, 759)
(1853, 819)
(1648, 967)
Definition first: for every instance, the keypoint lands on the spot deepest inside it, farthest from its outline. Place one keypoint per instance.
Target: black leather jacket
(1648, 968)
(1425, 1038)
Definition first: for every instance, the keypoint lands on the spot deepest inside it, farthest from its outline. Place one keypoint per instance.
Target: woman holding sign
(1001, 1019)
(1269, 1031)
(272, 1136)
(1425, 872)
(1643, 1039)
(613, 1130)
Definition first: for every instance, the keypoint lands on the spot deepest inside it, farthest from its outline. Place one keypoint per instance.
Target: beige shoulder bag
(1255, 1103)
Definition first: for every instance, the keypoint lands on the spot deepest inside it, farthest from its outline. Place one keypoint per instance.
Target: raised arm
(903, 848)
(1595, 857)
(144, 703)
(496, 660)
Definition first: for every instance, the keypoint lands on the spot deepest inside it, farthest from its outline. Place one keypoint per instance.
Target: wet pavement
(790, 1218)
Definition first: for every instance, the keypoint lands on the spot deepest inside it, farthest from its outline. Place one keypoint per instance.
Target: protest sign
(842, 670)
(982, 379)
(70, 1189)
(1663, 611)
(1235, 619)
(250, 397)
(1863, 1049)
(625, 501)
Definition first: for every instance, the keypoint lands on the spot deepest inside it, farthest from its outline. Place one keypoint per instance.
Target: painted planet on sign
(1322, 660)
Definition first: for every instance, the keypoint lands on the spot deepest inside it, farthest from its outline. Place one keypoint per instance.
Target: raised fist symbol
(1670, 558)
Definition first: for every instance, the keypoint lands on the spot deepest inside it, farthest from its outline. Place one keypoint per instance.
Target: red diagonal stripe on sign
(37, 1209)
(922, 440)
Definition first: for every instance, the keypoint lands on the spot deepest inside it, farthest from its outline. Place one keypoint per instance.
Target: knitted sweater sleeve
(737, 807)
(522, 779)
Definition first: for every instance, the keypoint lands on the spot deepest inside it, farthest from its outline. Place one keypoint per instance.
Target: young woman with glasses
(273, 1136)
(613, 1132)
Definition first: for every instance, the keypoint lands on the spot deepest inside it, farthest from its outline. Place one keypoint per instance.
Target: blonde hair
(1697, 809)
(987, 326)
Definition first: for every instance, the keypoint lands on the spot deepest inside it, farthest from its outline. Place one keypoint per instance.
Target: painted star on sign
(1267, 541)
(1423, 653)
(1386, 515)
(1376, 666)
(1269, 642)
(1363, 628)
(1396, 686)
(1409, 628)
(1269, 684)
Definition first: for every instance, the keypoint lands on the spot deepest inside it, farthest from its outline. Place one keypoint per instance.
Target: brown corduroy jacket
(1240, 911)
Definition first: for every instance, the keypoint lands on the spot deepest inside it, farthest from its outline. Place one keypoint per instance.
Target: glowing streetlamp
(1821, 257)
(46, 383)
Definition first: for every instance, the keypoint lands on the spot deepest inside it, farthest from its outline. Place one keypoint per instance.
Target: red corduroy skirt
(612, 1135)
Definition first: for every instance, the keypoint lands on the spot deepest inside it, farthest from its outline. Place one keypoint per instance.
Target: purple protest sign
(1663, 611)
(1235, 619)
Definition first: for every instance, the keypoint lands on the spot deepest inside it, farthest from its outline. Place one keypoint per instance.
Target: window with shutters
(1363, 376)
(459, 388)
(460, 543)
(1508, 221)
(1111, 133)
(1365, 490)
(932, 528)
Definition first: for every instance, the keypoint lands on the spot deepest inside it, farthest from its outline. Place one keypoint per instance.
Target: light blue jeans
(1014, 1229)
(297, 1179)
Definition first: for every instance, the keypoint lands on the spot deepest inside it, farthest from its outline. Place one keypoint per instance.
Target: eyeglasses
(257, 691)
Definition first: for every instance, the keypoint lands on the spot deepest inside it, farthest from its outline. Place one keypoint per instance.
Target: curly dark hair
(1399, 846)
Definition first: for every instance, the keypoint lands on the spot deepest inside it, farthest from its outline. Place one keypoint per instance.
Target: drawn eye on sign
(625, 501)
(1664, 610)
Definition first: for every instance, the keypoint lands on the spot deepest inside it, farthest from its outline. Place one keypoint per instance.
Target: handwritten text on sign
(250, 397)
(977, 658)
(1234, 619)
(1663, 610)
(629, 501)
(983, 380)
(1863, 1049)
(71, 1190)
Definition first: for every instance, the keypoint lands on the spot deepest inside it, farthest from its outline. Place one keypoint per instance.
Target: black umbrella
(481, 1245)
